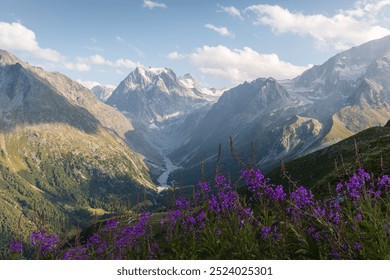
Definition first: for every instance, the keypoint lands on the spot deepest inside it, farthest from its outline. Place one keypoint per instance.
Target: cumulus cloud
(119, 63)
(239, 65)
(343, 30)
(223, 31)
(231, 10)
(152, 5)
(175, 55)
(16, 37)
(78, 66)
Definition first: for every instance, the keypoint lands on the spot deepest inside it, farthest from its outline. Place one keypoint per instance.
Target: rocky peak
(7, 58)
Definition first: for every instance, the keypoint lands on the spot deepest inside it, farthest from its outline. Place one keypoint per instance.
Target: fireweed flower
(77, 253)
(44, 242)
(334, 212)
(15, 247)
(278, 193)
(302, 197)
(92, 240)
(222, 183)
(182, 203)
(357, 246)
(384, 182)
(319, 211)
(130, 236)
(175, 216)
(265, 232)
(204, 186)
(335, 255)
(111, 225)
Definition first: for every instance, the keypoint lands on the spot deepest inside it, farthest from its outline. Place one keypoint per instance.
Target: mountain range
(67, 153)
(290, 118)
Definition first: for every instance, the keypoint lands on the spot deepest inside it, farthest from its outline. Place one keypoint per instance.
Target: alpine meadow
(252, 156)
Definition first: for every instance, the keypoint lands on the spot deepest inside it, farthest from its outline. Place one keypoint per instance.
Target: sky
(221, 43)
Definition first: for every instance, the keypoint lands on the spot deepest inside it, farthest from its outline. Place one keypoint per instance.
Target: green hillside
(60, 177)
(326, 166)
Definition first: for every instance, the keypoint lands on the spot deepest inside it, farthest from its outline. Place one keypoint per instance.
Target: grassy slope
(321, 168)
(60, 176)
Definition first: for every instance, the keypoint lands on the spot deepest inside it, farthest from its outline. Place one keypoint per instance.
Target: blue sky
(221, 43)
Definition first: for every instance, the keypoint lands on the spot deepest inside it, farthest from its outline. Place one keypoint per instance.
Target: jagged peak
(152, 70)
(8, 58)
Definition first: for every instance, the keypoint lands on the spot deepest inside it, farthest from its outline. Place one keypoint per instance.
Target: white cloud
(152, 5)
(343, 30)
(97, 59)
(223, 31)
(78, 66)
(239, 65)
(119, 63)
(175, 55)
(231, 10)
(16, 37)
(126, 63)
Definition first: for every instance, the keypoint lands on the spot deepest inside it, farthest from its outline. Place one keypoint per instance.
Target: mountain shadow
(25, 98)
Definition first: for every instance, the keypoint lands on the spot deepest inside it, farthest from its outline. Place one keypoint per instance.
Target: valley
(68, 153)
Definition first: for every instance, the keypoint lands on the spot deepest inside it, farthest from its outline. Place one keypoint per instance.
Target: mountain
(63, 156)
(151, 96)
(211, 94)
(286, 119)
(102, 92)
(260, 112)
(164, 109)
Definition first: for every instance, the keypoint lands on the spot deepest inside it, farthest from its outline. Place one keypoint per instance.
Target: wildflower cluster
(351, 223)
(45, 244)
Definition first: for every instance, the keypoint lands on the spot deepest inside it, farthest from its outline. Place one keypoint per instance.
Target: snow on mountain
(155, 95)
(103, 92)
(210, 94)
(285, 119)
(160, 105)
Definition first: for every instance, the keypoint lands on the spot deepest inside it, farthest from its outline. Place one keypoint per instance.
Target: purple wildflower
(94, 239)
(191, 220)
(265, 232)
(15, 247)
(183, 203)
(201, 216)
(275, 234)
(384, 182)
(359, 217)
(319, 212)
(44, 242)
(302, 197)
(204, 186)
(335, 255)
(278, 194)
(357, 246)
(388, 232)
(339, 187)
(221, 183)
(76, 253)
(111, 225)
(364, 175)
